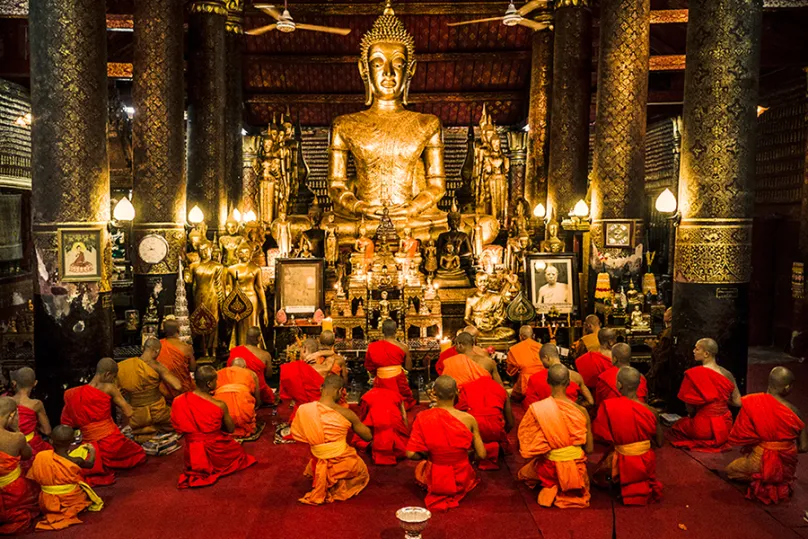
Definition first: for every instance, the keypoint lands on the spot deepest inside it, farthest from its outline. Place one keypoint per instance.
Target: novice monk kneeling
(336, 471)
(237, 387)
(488, 403)
(538, 389)
(383, 411)
(64, 495)
(606, 386)
(772, 433)
(209, 452)
(442, 437)
(18, 495)
(31, 413)
(630, 426)
(556, 433)
(469, 365)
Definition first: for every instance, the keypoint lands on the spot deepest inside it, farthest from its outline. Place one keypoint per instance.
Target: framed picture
(80, 254)
(552, 282)
(299, 285)
(618, 234)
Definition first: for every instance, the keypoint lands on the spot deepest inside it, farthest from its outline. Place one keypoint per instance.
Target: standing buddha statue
(230, 243)
(247, 276)
(206, 279)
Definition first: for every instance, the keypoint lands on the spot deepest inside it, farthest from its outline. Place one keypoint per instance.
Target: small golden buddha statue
(365, 249)
(552, 244)
(207, 282)
(230, 243)
(384, 310)
(282, 233)
(331, 244)
(431, 258)
(485, 310)
(247, 276)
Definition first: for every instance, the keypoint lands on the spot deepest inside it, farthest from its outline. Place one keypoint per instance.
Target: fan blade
(326, 29)
(533, 24)
(270, 10)
(261, 29)
(530, 6)
(475, 21)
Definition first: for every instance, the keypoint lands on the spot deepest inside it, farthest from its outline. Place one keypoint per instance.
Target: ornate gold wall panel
(714, 251)
(541, 80)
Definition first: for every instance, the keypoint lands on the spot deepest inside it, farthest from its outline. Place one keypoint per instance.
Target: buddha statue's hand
(403, 211)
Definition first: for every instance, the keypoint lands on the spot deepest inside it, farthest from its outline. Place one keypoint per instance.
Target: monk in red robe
(441, 438)
(259, 361)
(300, 380)
(589, 342)
(452, 350)
(328, 355)
(523, 362)
(556, 434)
(538, 388)
(592, 364)
(209, 452)
(18, 495)
(606, 386)
(771, 432)
(468, 365)
(33, 421)
(382, 410)
(387, 360)
(708, 391)
(488, 403)
(88, 408)
(177, 357)
(237, 387)
(336, 471)
(630, 426)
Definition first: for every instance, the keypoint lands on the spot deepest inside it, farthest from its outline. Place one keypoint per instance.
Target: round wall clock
(153, 249)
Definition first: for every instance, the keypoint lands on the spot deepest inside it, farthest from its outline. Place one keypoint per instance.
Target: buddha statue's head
(231, 226)
(205, 251)
(387, 59)
(244, 253)
(481, 281)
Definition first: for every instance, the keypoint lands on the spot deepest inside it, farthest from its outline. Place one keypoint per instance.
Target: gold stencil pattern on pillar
(714, 251)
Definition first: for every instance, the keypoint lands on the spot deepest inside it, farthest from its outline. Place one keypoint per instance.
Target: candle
(328, 324)
(445, 344)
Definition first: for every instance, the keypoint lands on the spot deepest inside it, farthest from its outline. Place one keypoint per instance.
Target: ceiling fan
(514, 17)
(286, 24)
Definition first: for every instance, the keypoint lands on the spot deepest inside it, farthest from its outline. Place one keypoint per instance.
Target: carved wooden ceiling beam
(343, 99)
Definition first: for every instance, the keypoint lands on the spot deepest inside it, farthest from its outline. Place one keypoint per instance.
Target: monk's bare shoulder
(466, 418)
(576, 377)
(109, 389)
(222, 406)
(581, 409)
(347, 413)
(791, 407)
(727, 374)
(36, 405)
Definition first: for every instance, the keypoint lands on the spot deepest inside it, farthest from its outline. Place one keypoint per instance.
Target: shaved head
(781, 380)
(327, 338)
(558, 375)
(389, 328)
(7, 405)
(62, 435)
(445, 388)
(607, 337)
(525, 333)
(204, 375)
(152, 346)
(473, 331)
(628, 380)
(548, 354)
(25, 378)
(310, 345)
(171, 327)
(333, 382)
(464, 342)
(621, 355)
(239, 362)
(592, 322)
(708, 345)
(106, 365)
(253, 335)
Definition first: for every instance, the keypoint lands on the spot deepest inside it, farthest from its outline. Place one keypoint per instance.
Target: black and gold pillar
(207, 101)
(517, 154)
(618, 173)
(158, 151)
(716, 181)
(234, 49)
(250, 173)
(569, 106)
(73, 315)
(541, 79)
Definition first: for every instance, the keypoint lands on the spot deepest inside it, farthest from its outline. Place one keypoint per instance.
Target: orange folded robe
(385, 361)
(523, 361)
(448, 475)
(18, 498)
(64, 495)
(28, 426)
(538, 389)
(88, 409)
(209, 452)
(629, 426)
(708, 430)
(336, 471)
(150, 413)
(590, 366)
(464, 369)
(300, 383)
(236, 388)
(551, 433)
(769, 431)
(587, 343)
(606, 386)
(446, 354)
(257, 366)
(175, 361)
(380, 410)
(485, 399)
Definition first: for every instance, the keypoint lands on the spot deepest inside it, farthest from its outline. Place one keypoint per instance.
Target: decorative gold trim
(119, 70)
(572, 3)
(715, 253)
(669, 16)
(215, 7)
(672, 62)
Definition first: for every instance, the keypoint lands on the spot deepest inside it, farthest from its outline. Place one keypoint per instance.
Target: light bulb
(237, 215)
(580, 209)
(250, 216)
(195, 216)
(539, 211)
(666, 202)
(123, 211)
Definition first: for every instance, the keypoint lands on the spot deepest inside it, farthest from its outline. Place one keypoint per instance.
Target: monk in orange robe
(708, 391)
(772, 433)
(592, 364)
(556, 434)
(589, 342)
(336, 471)
(237, 387)
(630, 426)
(538, 388)
(452, 350)
(177, 357)
(18, 495)
(64, 495)
(209, 452)
(139, 379)
(387, 360)
(488, 403)
(88, 408)
(259, 361)
(30, 413)
(606, 386)
(467, 365)
(441, 438)
(523, 362)
(382, 410)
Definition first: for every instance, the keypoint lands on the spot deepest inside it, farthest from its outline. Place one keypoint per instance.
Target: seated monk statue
(177, 357)
(452, 350)
(258, 360)
(708, 391)
(210, 453)
(18, 495)
(467, 365)
(606, 386)
(383, 412)
(88, 408)
(523, 362)
(487, 401)
(630, 426)
(592, 364)
(589, 342)
(539, 388)
(388, 361)
(58, 472)
(139, 379)
(336, 471)
(556, 434)
(485, 310)
(33, 421)
(441, 438)
(771, 432)
(237, 387)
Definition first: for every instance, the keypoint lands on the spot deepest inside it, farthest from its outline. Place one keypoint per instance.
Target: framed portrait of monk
(80, 254)
(299, 286)
(552, 282)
